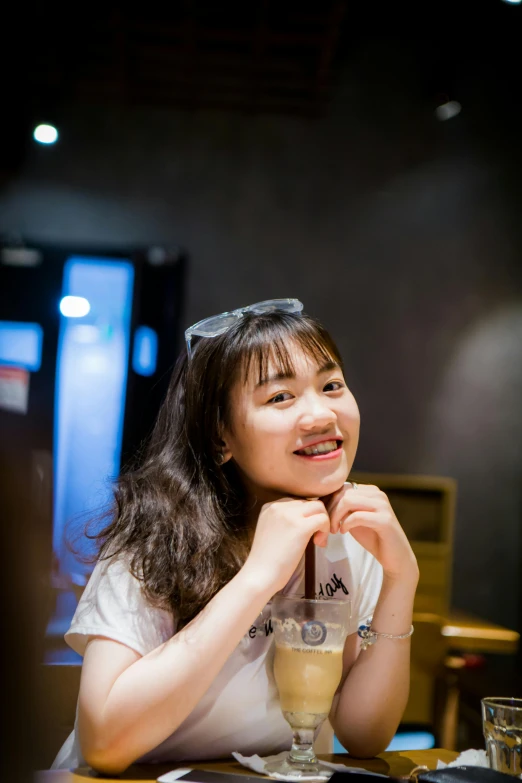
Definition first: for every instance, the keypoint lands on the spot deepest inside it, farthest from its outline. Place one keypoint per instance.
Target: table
(469, 633)
(390, 763)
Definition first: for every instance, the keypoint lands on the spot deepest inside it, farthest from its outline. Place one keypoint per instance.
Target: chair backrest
(57, 690)
(425, 507)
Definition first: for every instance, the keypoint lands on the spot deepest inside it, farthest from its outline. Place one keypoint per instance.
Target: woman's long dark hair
(178, 515)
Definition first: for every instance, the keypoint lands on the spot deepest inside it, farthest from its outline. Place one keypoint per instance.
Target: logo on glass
(313, 633)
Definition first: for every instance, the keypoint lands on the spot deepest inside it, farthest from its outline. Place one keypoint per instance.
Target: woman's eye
(281, 397)
(333, 386)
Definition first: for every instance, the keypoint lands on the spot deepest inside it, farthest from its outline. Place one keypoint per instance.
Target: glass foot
(299, 770)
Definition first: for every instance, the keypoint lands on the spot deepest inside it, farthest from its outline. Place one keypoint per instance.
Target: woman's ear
(226, 453)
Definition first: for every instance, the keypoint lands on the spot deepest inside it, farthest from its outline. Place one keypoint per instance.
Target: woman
(247, 461)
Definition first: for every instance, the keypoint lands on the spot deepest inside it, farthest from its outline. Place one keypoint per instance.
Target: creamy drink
(307, 679)
(308, 663)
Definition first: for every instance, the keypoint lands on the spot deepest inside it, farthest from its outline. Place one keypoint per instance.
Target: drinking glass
(308, 664)
(502, 726)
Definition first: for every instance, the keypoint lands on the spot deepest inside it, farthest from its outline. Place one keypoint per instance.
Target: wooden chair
(425, 507)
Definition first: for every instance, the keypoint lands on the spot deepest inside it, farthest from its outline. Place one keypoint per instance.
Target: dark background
(293, 150)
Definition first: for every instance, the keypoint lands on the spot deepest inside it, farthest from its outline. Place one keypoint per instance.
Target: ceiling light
(45, 134)
(447, 110)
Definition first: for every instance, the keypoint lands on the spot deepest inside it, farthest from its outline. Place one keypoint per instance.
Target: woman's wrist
(408, 576)
(253, 584)
(398, 591)
(394, 610)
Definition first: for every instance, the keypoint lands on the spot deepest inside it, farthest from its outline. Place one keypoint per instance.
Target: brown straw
(310, 569)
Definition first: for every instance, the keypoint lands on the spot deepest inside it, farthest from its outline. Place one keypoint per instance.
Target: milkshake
(307, 679)
(308, 665)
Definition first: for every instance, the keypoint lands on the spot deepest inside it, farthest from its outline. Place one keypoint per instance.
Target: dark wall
(401, 233)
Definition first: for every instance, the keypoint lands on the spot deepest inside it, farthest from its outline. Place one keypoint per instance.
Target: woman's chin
(320, 489)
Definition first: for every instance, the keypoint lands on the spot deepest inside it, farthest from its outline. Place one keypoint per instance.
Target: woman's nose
(317, 413)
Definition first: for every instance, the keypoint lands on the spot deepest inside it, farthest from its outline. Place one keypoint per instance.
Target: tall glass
(308, 664)
(502, 726)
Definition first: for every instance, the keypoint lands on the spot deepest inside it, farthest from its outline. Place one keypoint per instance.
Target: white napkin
(472, 758)
(170, 777)
(258, 764)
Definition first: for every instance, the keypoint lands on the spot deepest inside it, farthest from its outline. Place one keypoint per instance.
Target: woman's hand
(283, 530)
(366, 513)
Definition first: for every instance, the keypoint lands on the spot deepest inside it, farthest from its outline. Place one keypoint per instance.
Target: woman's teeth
(320, 448)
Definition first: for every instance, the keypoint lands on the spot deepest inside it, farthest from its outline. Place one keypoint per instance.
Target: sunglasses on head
(218, 324)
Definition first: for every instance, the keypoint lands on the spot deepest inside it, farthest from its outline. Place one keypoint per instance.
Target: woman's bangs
(273, 350)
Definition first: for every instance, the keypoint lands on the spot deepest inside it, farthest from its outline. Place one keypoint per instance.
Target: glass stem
(303, 747)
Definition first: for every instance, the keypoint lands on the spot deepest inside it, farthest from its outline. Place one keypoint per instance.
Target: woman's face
(293, 435)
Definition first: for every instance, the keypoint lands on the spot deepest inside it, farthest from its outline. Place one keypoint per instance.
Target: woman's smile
(320, 450)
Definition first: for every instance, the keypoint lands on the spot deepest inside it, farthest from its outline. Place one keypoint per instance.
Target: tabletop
(467, 632)
(397, 763)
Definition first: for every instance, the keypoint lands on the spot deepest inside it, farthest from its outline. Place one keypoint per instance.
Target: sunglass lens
(216, 325)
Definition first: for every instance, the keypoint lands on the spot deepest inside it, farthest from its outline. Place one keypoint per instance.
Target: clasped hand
(285, 526)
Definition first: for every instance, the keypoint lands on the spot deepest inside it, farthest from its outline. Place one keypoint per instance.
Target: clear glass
(308, 662)
(502, 727)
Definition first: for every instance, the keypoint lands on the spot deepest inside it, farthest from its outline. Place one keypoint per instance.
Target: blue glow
(74, 306)
(91, 381)
(403, 740)
(412, 740)
(21, 344)
(145, 353)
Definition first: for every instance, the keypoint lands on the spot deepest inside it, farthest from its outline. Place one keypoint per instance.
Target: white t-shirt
(240, 711)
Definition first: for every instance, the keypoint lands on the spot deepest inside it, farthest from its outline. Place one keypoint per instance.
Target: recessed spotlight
(447, 110)
(45, 134)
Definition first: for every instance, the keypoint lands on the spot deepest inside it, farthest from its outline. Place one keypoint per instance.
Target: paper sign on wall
(14, 389)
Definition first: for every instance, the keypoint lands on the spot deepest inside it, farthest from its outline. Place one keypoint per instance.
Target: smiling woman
(246, 464)
(294, 430)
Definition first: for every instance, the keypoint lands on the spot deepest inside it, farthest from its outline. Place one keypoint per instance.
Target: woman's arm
(129, 704)
(368, 709)
(375, 686)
